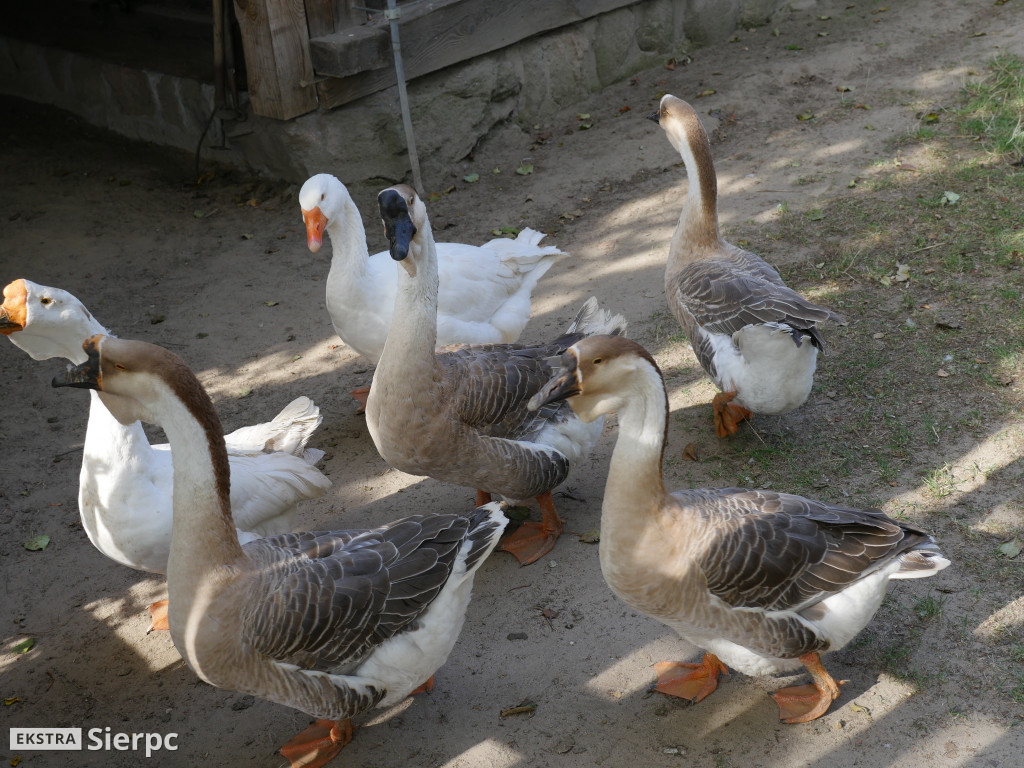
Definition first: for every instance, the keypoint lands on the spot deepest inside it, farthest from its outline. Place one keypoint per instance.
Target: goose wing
(489, 386)
(723, 295)
(777, 551)
(325, 599)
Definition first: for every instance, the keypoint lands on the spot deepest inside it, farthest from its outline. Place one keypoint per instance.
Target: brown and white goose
(763, 581)
(756, 338)
(332, 623)
(460, 415)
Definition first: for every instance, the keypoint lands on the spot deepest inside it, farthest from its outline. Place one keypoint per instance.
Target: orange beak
(14, 309)
(316, 222)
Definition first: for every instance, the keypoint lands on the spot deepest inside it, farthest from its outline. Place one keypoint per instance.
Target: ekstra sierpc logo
(28, 739)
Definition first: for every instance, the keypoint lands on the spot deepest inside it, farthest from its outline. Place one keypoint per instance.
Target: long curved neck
(413, 333)
(698, 221)
(634, 494)
(203, 534)
(348, 241)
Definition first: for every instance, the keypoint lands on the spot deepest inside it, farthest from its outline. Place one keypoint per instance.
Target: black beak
(655, 116)
(85, 375)
(397, 225)
(6, 324)
(564, 384)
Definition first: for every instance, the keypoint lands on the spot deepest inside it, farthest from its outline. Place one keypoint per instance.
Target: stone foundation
(451, 109)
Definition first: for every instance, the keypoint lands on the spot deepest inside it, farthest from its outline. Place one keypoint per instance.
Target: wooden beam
(435, 34)
(276, 44)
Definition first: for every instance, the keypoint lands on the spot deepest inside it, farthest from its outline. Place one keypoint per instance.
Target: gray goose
(763, 581)
(755, 337)
(460, 415)
(329, 622)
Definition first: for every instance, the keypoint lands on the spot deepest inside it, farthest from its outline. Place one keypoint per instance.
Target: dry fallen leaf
(942, 374)
(706, 92)
(902, 273)
(591, 537)
(690, 452)
(526, 707)
(858, 708)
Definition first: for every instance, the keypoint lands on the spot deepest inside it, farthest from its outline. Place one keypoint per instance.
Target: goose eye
(323, 197)
(120, 367)
(45, 300)
(598, 360)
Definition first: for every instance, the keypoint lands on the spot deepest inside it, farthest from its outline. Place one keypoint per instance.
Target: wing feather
(777, 551)
(330, 597)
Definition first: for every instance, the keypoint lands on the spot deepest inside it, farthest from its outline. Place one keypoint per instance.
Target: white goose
(764, 581)
(460, 415)
(756, 338)
(485, 290)
(124, 494)
(332, 623)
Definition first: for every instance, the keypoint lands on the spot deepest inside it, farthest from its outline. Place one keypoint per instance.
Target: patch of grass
(928, 607)
(939, 482)
(995, 106)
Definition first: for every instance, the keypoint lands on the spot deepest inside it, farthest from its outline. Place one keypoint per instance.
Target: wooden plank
(435, 34)
(324, 17)
(276, 44)
(320, 17)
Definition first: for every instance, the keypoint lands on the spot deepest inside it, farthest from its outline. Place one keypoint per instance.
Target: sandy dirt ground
(221, 275)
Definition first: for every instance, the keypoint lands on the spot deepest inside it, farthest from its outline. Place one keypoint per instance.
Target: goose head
(597, 375)
(45, 322)
(322, 199)
(133, 378)
(404, 215)
(676, 118)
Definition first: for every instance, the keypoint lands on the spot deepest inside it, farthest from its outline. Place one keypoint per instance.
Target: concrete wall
(451, 109)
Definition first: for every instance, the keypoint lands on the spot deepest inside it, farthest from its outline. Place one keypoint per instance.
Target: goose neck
(698, 221)
(203, 534)
(413, 332)
(635, 482)
(348, 240)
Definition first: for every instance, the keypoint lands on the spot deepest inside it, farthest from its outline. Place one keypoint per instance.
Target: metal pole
(392, 14)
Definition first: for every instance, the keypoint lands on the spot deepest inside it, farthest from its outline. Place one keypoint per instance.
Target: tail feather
(918, 563)
(591, 320)
(486, 525)
(288, 432)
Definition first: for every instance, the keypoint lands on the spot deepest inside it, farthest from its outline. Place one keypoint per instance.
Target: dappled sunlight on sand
(489, 752)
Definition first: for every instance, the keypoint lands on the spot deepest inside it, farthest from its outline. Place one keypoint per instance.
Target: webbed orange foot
(158, 616)
(532, 541)
(360, 394)
(803, 703)
(318, 744)
(728, 415)
(427, 686)
(689, 681)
